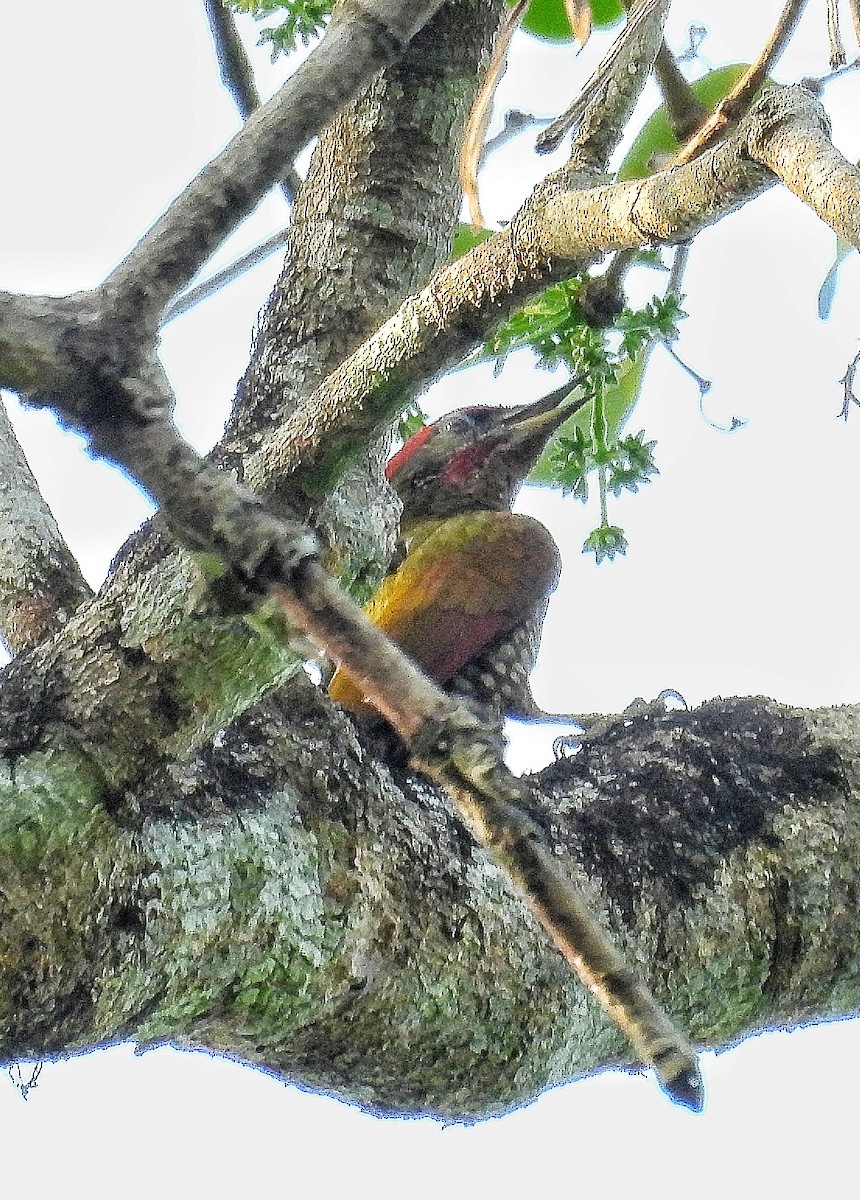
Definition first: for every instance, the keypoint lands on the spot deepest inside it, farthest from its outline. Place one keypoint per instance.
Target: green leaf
(410, 421)
(619, 400)
(467, 238)
(656, 138)
(605, 542)
(303, 21)
(827, 292)
(547, 19)
(606, 12)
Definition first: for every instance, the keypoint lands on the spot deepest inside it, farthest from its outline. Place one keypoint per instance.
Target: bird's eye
(466, 420)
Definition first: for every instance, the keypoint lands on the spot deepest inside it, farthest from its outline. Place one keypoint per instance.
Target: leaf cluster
(611, 359)
(302, 21)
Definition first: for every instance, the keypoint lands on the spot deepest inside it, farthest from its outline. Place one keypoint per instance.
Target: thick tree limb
(801, 154)
(270, 907)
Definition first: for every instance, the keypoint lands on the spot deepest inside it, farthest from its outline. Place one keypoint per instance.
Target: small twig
(679, 267)
(696, 34)
(837, 49)
(848, 393)
(684, 109)
(817, 83)
(736, 102)
(25, 1086)
(482, 108)
(237, 74)
(202, 291)
(515, 123)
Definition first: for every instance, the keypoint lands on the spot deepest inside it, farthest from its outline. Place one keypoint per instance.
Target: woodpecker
(467, 592)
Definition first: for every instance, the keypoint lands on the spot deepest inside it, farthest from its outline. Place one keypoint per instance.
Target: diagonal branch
(740, 97)
(637, 44)
(214, 283)
(237, 74)
(684, 110)
(358, 42)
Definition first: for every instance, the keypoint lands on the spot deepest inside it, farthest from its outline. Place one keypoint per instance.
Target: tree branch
(214, 283)
(684, 111)
(600, 111)
(741, 95)
(800, 153)
(558, 231)
(237, 75)
(357, 43)
(383, 960)
(40, 581)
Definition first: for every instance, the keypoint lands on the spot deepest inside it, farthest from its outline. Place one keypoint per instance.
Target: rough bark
(287, 898)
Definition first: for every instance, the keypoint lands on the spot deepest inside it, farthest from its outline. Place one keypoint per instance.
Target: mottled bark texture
(287, 898)
(375, 218)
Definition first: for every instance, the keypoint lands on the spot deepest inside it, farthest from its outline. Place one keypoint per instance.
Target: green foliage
(657, 321)
(410, 421)
(612, 361)
(467, 238)
(304, 19)
(605, 542)
(656, 139)
(547, 19)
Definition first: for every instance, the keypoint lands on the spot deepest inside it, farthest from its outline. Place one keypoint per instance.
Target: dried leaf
(854, 9)
(579, 14)
(482, 108)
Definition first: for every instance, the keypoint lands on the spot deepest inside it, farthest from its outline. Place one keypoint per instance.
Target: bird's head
(475, 458)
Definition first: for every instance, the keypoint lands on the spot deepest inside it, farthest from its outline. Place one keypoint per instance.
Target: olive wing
(468, 580)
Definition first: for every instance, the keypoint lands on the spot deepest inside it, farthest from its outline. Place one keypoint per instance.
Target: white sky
(739, 580)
